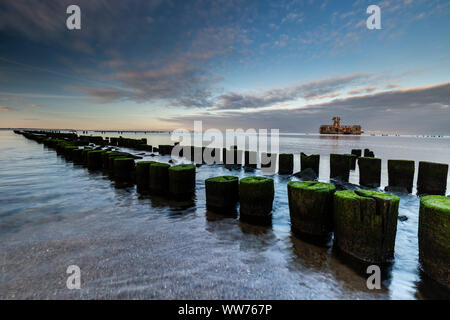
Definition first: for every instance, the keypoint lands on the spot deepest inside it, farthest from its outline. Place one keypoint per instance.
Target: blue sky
(291, 65)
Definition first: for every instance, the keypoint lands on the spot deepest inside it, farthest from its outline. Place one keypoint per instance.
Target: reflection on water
(129, 245)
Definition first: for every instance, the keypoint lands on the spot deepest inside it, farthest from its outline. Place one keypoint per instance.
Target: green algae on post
(365, 224)
(222, 194)
(400, 174)
(124, 169)
(311, 208)
(256, 196)
(77, 156)
(369, 172)
(286, 163)
(432, 178)
(94, 158)
(159, 178)
(434, 237)
(182, 180)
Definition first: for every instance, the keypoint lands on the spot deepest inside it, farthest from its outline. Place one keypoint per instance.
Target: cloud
(408, 110)
(6, 109)
(362, 90)
(309, 91)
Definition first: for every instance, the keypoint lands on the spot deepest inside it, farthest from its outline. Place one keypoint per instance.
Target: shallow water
(54, 214)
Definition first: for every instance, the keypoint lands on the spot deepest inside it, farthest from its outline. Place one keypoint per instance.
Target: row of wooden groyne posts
(364, 222)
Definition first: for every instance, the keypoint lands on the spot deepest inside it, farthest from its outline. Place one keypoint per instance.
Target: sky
(290, 65)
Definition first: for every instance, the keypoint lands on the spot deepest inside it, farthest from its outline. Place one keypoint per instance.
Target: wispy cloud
(309, 91)
(6, 109)
(403, 110)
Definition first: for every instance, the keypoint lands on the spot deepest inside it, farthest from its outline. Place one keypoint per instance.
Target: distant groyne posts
(256, 196)
(432, 178)
(311, 209)
(368, 153)
(434, 238)
(365, 224)
(250, 159)
(286, 163)
(310, 162)
(340, 166)
(182, 181)
(369, 172)
(400, 175)
(222, 194)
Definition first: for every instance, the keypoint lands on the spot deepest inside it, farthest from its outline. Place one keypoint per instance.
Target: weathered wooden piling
(256, 196)
(365, 224)
(222, 194)
(251, 159)
(311, 208)
(310, 162)
(432, 178)
(369, 172)
(85, 155)
(356, 152)
(124, 169)
(165, 149)
(434, 237)
(400, 174)
(182, 180)
(113, 155)
(286, 163)
(77, 156)
(353, 159)
(159, 178)
(143, 175)
(340, 166)
(94, 159)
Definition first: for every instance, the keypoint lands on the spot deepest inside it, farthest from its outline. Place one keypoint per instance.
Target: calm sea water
(54, 214)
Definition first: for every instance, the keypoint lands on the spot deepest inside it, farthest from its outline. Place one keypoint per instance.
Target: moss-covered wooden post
(85, 155)
(182, 180)
(256, 196)
(159, 178)
(310, 162)
(311, 208)
(68, 149)
(369, 172)
(222, 194)
(77, 156)
(251, 159)
(124, 169)
(400, 174)
(434, 238)
(365, 224)
(112, 156)
(286, 163)
(340, 166)
(143, 176)
(353, 159)
(95, 159)
(432, 178)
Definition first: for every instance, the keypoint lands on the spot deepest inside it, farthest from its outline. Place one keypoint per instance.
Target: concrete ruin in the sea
(336, 128)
